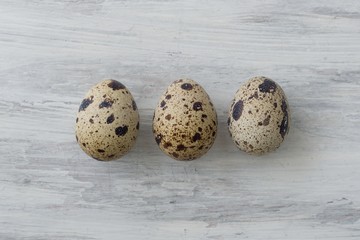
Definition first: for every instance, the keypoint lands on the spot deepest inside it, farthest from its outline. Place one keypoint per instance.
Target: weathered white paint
(53, 51)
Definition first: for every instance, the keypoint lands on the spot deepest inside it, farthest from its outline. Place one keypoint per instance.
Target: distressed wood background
(53, 51)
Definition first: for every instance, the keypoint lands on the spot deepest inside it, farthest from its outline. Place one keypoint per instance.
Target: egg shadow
(298, 148)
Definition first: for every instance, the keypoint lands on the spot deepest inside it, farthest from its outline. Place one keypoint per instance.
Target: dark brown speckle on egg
(162, 104)
(134, 106)
(107, 103)
(268, 86)
(115, 85)
(180, 147)
(237, 110)
(110, 119)
(168, 117)
(197, 106)
(167, 144)
(266, 120)
(85, 103)
(121, 131)
(196, 137)
(158, 139)
(187, 86)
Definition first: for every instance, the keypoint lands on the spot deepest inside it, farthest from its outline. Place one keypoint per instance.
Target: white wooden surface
(53, 51)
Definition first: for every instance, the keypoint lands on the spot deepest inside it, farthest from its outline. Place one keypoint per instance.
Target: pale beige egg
(259, 116)
(107, 122)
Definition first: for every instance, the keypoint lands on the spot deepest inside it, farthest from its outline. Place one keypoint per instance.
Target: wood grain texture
(53, 51)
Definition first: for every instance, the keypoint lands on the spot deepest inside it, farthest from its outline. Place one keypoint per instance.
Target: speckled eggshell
(107, 122)
(259, 116)
(185, 121)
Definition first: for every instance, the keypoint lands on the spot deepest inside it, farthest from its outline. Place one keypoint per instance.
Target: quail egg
(259, 116)
(107, 122)
(185, 121)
